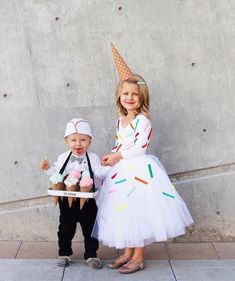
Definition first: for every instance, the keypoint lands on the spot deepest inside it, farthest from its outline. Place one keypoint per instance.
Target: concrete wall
(56, 64)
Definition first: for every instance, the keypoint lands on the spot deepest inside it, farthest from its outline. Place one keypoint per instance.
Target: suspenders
(89, 167)
(65, 164)
(91, 172)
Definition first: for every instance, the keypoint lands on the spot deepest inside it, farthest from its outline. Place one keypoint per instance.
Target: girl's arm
(111, 159)
(99, 171)
(142, 130)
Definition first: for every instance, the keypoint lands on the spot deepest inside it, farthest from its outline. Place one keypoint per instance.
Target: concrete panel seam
(206, 173)
(18, 249)
(27, 208)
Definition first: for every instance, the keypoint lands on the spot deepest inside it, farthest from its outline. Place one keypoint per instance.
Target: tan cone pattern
(124, 71)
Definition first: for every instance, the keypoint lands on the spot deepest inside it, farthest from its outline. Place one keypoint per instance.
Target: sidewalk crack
(216, 251)
(18, 249)
(62, 277)
(172, 270)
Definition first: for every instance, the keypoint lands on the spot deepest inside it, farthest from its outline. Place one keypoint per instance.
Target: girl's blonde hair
(143, 96)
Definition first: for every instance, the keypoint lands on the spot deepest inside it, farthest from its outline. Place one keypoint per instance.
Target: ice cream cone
(123, 70)
(83, 200)
(73, 187)
(70, 201)
(57, 186)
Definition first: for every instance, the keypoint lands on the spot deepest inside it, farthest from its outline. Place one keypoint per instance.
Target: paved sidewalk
(36, 261)
(156, 270)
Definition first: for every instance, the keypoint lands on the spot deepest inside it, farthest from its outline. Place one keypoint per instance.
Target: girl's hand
(111, 159)
(44, 165)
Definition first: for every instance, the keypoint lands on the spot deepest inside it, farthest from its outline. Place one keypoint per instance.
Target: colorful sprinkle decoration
(167, 194)
(150, 133)
(120, 137)
(136, 124)
(146, 127)
(123, 206)
(113, 176)
(150, 170)
(112, 190)
(118, 123)
(118, 147)
(140, 180)
(117, 182)
(143, 146)
(132, 167)
(133, 189)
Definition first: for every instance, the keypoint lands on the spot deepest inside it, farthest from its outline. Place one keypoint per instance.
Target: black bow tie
(78, 159)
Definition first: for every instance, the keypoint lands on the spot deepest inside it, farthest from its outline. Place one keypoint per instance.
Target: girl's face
(78, 143)
(129, 97)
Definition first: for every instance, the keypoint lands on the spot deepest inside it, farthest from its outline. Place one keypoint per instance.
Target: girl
(138, 205)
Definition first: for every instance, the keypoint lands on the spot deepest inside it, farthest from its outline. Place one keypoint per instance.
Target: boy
(78, 138)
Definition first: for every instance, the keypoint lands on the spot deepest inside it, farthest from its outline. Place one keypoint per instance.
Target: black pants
(68, 224)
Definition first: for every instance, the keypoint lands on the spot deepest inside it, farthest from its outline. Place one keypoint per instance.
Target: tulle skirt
(138, 205)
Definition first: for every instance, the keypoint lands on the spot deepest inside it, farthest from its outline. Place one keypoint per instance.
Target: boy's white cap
(79, 126)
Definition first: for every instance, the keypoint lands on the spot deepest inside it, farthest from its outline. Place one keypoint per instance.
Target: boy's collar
(79, 159)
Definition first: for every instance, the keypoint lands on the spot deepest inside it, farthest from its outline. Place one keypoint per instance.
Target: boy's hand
(111, 159)
(44, 165)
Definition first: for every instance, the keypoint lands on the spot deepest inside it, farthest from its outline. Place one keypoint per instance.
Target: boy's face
(78, 143)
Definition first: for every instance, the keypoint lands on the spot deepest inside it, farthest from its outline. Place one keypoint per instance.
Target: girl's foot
(120, 261)
(132, 266)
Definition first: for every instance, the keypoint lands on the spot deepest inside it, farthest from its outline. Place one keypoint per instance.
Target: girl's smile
(129, 97)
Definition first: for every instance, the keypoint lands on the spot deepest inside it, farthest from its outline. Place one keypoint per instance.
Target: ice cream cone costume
(138, 204)
(71, 181)
(66, 173)
(123, 69)
(85, 186)
(72, 184)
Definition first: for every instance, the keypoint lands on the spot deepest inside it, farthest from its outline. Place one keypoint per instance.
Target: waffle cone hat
(124, 71)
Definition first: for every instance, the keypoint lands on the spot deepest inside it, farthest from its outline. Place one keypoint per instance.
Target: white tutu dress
(137, 203)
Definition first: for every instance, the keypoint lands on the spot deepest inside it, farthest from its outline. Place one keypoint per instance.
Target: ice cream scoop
(56, 178)
(85, 186)
(85, 173)
(71, 181)
(57, 184)
(76, 174)
(71, 184)
(86, 182)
